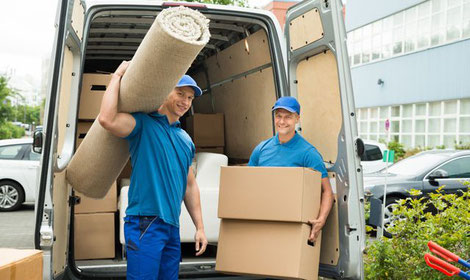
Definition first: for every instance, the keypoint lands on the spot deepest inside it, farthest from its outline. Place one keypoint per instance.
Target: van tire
(11, 196)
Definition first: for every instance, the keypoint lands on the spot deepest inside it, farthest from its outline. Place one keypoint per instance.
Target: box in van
(267, 248)
(269, 193)
(248, 63)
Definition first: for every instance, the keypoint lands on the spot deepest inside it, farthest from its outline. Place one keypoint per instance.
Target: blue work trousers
(153, 248)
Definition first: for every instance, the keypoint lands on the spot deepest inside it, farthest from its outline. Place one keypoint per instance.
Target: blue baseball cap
(288, 103)
(187, 81)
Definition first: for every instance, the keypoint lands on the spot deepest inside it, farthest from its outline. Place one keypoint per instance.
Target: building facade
(279, 9)
(410, 64)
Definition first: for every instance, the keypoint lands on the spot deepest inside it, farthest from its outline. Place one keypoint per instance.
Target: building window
(430, 23)
(419, 125)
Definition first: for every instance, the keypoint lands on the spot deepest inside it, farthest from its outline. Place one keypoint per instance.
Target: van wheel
(11, 196)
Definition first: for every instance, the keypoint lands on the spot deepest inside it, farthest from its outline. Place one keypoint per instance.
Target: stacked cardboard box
(94, 218)
(93, 88)
(21, 264)
(264, 228)
(82, 129)
(207, 132)
(94, 226)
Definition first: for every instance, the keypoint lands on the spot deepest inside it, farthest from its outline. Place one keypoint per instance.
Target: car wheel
(11, 196)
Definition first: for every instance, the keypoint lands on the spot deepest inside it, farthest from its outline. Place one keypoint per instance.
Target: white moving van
(247, 64)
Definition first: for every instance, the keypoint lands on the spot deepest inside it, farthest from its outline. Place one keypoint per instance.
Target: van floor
(190, 268)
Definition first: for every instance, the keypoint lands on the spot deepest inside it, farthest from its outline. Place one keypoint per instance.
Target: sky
(27, 35)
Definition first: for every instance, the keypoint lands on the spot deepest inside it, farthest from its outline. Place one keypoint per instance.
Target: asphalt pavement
(17, 228)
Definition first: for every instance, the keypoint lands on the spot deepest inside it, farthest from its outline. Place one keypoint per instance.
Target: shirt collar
(290, 143)
(157, 115)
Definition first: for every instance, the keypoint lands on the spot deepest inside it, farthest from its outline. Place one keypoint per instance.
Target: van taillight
(189, 5)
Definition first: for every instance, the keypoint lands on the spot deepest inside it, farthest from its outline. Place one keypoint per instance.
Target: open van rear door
(52, 203)
(319, 76)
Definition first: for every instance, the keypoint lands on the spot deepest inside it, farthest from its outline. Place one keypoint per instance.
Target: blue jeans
(153, 248)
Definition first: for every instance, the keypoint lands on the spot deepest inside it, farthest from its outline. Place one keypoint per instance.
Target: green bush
(398, 148)
(9, 130)
(401, 257)
(461, 146)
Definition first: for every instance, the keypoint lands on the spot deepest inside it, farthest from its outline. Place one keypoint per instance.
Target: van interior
(240, 79)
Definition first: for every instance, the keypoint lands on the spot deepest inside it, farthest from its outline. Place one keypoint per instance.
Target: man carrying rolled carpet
(288, 148)
(161, 156)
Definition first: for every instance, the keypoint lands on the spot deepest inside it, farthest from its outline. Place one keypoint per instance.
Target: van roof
(92, 3)
(224, 32)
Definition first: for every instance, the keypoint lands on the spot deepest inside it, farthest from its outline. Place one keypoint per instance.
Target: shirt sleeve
(254, 158)
(314, 160)
(138, 126)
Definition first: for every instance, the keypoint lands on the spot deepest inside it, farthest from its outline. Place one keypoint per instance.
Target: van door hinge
(74, 200)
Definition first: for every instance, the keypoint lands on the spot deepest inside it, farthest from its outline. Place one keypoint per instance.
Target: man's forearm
(326, 199)
(193, 204)
(109, 103)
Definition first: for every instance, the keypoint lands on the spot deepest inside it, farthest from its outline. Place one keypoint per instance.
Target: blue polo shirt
(295, 153)
(161, 154)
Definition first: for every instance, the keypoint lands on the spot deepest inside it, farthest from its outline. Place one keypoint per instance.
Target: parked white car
(19, 167)
(372, 159)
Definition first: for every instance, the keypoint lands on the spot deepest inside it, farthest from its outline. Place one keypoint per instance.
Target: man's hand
(122, 68)
(201, 242)
(317, 225)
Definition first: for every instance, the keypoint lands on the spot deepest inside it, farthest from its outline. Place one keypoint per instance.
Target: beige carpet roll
(174, 40)
(165, 54)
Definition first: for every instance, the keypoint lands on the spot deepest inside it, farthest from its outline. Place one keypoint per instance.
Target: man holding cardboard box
(161, 156)
(288, 148)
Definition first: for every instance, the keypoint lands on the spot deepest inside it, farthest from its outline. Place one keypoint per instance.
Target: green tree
(27, 114)
(6, 110)
(240, 3)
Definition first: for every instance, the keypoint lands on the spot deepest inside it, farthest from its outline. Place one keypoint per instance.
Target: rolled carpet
(170, 46)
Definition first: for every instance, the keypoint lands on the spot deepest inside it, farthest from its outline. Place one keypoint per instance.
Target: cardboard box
(82, 129)
(206, 130)
(289, 194)
(93, 88)
(217, 150)
(91, 205)
(21, 264)
(94, 236)
(273, 249)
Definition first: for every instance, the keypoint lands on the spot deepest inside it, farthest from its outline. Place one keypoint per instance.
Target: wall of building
(438, 73)
(279, 9)
(361, 12)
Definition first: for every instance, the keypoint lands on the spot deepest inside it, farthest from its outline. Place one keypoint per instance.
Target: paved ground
(17, 228)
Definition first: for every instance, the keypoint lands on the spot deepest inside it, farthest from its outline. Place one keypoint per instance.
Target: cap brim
(285, 108)
(197, 90)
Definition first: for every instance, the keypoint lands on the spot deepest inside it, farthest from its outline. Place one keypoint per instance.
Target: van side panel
(246, 103)
(60, 194)
(330, 249)
(203, 104)
(64, 99)
(246, 99)
(318, 92)
(240, 57)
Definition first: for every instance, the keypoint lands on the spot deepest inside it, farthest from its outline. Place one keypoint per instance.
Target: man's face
(285, 121)
(179, 100)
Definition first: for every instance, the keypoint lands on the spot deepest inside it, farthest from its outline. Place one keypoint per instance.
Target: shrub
(398, 148)
(401, 257)
(461, 146)
(9, 130)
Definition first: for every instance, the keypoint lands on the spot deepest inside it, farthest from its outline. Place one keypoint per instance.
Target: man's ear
(297, 118)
